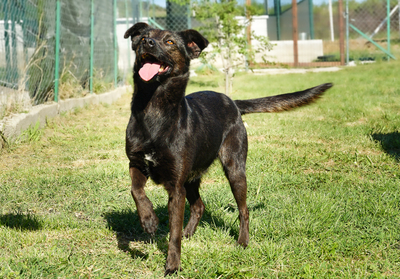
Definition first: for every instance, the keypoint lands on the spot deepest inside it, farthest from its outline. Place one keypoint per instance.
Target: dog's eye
(169, 42)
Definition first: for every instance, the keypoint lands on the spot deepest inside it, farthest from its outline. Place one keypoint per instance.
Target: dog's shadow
(390, 143)
(20, 221)
(126, 225)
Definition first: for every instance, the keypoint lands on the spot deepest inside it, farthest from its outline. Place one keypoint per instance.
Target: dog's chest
(150, 158)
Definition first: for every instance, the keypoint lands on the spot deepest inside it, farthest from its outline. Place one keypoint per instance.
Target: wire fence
(371, 28)
(56, 49)
(272, 19)
(374, 30)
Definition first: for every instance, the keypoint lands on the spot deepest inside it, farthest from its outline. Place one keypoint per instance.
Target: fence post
(57, 50)
(295, 33)
(248, 31)
(277, 7)
(341, 32)
(141, 10)
(331, 20)
(7, 34)
(388, 26)
(347, 33)
(14, 40)
(115, 45)
(91, 45)
(189, 17)
(127, 27)
(311, 18)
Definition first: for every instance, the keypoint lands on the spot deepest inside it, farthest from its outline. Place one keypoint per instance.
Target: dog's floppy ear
(194, 42)
(135, 33)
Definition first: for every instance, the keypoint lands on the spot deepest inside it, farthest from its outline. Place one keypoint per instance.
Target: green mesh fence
(86, 56)
(92, 56)
(374, 30)
(271, 18)
(167, 14)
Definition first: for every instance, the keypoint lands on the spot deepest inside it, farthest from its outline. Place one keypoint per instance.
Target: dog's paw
(171, 270)
(243, 241)
(188, 232)
(173, 263)
(150, 225)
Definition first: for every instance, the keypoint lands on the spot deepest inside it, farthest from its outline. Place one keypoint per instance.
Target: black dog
(174, 139)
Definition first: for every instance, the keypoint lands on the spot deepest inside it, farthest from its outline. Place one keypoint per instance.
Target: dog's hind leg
(233, 155)
(196, 206)
(147, 216)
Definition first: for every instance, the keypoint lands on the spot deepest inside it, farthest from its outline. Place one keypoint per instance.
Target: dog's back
(209, 117)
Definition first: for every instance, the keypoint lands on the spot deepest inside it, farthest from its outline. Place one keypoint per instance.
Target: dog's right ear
(135, 33)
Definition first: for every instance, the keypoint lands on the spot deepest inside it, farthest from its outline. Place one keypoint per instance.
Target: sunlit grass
(323, 190)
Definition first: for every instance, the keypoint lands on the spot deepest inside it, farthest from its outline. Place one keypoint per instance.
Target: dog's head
(161, 54)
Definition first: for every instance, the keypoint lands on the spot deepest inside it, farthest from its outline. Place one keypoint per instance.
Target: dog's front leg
(147, 216)
(176, 209)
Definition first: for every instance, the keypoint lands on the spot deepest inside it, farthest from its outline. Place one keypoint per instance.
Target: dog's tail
(282, 102)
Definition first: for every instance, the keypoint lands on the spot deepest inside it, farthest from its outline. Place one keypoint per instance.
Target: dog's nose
(149, 42)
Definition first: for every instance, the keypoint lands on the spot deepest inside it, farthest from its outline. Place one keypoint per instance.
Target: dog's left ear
(194, 42)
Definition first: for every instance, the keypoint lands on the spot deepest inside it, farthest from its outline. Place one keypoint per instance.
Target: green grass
(323, 190)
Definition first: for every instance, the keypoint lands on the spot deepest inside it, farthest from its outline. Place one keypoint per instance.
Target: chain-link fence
(371, 30)
(272, 19)
(374, 30)
(167, 14)
(54, 49)
(317, 44)
(57, 49)
(370, 36)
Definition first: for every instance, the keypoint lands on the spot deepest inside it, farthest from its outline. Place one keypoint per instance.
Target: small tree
(227, 35)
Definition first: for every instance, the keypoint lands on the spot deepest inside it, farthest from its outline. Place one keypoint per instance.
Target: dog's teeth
(162, 67)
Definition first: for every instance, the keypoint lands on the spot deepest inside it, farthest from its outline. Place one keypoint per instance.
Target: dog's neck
(164, 96)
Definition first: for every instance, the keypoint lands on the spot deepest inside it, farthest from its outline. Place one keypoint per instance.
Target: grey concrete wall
(12, 127)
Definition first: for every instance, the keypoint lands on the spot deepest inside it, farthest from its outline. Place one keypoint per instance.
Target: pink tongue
(148, 71)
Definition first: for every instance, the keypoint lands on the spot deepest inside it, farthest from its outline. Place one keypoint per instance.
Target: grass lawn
(323, 190)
